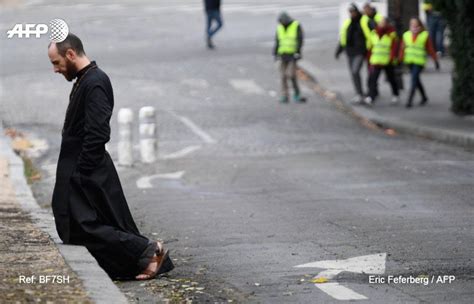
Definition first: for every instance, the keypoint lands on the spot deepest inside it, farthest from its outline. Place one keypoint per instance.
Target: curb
(98, 285)
(457, 138)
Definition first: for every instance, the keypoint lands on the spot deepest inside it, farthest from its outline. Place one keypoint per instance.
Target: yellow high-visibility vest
(381, 47)
(415, 51)
(287, 38)
(343, 33)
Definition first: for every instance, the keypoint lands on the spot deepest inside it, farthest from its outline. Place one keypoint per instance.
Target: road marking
(181, 153)
(367, 264)
(145, 181)
(340, 292)
(247, 86)
(196, 83)
(195, 128)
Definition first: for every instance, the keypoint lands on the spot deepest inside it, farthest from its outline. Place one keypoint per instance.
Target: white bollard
(148, 142)
(125, 147)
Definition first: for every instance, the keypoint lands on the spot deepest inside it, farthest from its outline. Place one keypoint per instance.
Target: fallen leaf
(21, 144)
(319, 280)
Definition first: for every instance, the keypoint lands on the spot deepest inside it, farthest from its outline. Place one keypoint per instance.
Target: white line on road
(181, 153)
(340, 292)
(368, 264)
(145, 181)
(247, 86)
(195, 128)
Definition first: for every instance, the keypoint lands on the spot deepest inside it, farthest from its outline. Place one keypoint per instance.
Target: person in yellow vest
(382, 55)
(288, 44)
(354, 40)
(415, 47)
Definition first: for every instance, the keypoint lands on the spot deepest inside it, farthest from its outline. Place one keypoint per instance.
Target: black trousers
(374, 77)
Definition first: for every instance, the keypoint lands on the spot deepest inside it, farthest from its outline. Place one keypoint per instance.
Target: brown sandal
(159, 259)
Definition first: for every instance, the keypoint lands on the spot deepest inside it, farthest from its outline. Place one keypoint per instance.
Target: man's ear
(70, 54)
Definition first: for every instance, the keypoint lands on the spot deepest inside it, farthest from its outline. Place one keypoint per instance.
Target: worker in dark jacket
(288, 45)
(213, 14)
(354, 40)
(88, 203)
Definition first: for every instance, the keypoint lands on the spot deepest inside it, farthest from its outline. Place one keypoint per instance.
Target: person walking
(213, 14)
(382, 56)
(371, 17)
(88, 203)
(413, 50)
(436, 27)
(354, 40)
(288, 45)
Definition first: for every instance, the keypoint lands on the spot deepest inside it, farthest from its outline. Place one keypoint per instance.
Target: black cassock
(88, 203)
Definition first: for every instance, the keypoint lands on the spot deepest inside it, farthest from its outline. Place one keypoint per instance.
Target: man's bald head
(71, 42)
(68, 57)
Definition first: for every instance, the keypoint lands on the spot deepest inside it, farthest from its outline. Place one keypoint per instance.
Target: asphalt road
(266, 187)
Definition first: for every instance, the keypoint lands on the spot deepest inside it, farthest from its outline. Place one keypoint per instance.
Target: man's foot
(369, 101)
(394, 100)
(150, 272)
(154, 267)
(159, 247)
(210, 45)
(423, 101)
(284, 99)
(298, 98)
(357, 99)
(167, 263)
(408, 105)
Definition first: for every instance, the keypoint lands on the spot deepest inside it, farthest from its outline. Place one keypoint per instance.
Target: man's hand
(297, 56)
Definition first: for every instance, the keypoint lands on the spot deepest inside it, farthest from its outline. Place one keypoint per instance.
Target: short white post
(148, 141)
(125, 147)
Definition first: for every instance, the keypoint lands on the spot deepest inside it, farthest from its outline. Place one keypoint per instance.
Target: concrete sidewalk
(31, 253)
(434, 121)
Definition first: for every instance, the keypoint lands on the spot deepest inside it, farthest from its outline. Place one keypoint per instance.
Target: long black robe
(88, 203)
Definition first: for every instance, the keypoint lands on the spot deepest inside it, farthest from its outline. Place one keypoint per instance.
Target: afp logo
(58, 30)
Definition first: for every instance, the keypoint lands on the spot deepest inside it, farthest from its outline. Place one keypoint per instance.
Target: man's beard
(71, 70)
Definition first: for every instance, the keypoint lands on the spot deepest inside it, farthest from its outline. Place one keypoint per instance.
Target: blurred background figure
(354, 39)
(382, 56)
(213, 14)
(436, 26)
(414, 48)
(369, 21)
(371, 17)
(288, 44)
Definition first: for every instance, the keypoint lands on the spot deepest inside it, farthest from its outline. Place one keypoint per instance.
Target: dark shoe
(408, 105)
(209, 43)
(424, 101)
(299, 99)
